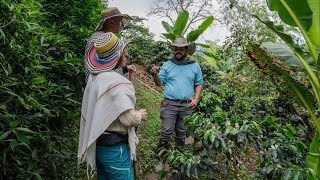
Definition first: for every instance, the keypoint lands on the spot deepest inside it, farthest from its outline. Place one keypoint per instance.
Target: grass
(149, 130)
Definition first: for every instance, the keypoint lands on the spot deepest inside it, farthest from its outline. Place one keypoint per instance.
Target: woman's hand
(131, 68)
(143, 113)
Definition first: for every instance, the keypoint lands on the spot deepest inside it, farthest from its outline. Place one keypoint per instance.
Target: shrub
(41, 80)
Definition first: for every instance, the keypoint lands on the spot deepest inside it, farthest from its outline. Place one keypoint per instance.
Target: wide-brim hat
(110, 13)
(105, 54)
(182, 42)
(125, 43)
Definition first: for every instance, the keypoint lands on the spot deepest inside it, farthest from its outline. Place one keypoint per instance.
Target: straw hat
(105, 54)
(182, 42)
(110, 13)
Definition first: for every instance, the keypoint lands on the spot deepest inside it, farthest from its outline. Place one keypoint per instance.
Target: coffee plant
(41, 83)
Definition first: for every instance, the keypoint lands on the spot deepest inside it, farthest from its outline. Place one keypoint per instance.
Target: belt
(179, 100)
(109, 138)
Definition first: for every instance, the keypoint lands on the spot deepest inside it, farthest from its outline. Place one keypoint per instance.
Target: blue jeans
(113, 162)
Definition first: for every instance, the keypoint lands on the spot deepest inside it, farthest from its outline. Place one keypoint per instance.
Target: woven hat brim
(125, 43)
(180, 45)
(99, 26)
(172, 46)
(96, 65)
(191, 47)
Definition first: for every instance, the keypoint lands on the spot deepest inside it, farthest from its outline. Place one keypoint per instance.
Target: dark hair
(111, 20)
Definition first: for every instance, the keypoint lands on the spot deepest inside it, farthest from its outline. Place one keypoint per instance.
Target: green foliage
(209, 77)
(180, 23)
(194, 35)
(210, 51)
(41, 84)
(222, 139)
(315, 28)
(274, 68)
(167, 27)
(144, 49)
(301, 10)
(312, 160)
(280, 146)
(302, 14)
(148, 129)
(299, 15)
(254, 97)
(182, 161)
(179, 27)
(284, 52)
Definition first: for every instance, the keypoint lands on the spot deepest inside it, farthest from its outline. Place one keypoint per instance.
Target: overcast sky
(140, 8)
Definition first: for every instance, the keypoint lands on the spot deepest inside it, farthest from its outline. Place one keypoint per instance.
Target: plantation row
(258, 113)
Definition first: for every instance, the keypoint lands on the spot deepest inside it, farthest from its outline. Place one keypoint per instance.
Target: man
(108, 116)
(112, 21)
(182, 79)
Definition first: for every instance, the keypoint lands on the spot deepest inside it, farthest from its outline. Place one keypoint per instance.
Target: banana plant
(210, 51)
(178, 29)
(304, 14)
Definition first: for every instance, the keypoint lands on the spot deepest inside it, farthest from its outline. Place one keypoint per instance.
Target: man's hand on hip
(193, 103)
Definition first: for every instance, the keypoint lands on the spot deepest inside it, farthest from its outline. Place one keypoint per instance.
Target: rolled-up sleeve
(130, 118)
(163, 76)
(198, 79)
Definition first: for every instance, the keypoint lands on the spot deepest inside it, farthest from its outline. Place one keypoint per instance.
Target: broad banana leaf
(277, 29)
(167, 27)
(211, 62)
(300, 9)
(298, 14)
(274, 68)
(199, 58)
(315, 28)
(194, 35)
(211, 55)
(170, 37)
(313, 156)
(284, 52)
(296, 49)
(181, 23)
(203, 45)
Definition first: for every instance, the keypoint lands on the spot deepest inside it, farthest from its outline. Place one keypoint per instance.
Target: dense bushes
(41, 80)
(144, 49)
(242, 114)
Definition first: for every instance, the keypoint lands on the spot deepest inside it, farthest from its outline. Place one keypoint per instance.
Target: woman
(108, 117)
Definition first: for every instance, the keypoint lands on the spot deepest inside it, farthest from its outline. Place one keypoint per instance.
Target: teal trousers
(113, 162)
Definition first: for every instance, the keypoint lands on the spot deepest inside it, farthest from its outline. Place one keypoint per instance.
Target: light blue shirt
(180, 80)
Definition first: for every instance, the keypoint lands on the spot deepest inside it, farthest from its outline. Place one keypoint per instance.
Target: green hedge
(41, 84)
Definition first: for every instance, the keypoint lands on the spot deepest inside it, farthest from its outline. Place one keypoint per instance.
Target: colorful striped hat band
(105, 54)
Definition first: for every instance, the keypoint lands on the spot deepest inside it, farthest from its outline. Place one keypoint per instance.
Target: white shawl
(105, 97)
